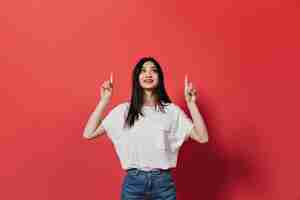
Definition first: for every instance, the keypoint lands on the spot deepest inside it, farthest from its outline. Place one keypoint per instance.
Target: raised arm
(199, 132)
(92, 127)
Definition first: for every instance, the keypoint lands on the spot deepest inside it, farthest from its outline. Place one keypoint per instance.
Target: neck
(149, 98)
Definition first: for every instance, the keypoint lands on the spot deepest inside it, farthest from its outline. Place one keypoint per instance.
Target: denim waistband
(152, 171)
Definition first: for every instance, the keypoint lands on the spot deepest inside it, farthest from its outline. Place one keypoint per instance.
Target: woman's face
(148, 77)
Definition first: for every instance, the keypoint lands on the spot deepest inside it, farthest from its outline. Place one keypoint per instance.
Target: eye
(152, 70)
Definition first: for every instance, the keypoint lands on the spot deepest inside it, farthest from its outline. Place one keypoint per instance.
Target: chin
(148, 88)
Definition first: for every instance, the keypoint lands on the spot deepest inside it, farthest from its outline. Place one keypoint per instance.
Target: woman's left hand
(189, 92)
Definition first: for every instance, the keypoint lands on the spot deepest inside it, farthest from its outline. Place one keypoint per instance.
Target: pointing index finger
(185, 81)
(111, 77)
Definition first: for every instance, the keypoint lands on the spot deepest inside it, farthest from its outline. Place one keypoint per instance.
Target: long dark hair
(137, 95)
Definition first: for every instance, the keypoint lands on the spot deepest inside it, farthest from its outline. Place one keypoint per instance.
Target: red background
(242, 56)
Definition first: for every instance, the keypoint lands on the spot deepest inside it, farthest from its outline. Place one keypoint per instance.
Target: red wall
(243, 57)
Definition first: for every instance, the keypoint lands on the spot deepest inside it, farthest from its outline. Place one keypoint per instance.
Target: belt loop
(156, 171)
(136, 172)
(133, 171)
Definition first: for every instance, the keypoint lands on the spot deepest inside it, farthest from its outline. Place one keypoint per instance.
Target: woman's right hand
(106, 90)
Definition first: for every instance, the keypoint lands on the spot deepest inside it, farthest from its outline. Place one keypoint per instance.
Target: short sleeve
(182, 126)
(113, 121)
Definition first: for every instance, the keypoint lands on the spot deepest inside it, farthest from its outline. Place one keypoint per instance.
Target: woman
(147, 132)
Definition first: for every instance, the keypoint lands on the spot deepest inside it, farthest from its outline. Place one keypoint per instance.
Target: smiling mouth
(148, 81)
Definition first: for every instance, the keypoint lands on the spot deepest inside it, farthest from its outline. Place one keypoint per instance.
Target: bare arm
(199, 132)
(92, 127)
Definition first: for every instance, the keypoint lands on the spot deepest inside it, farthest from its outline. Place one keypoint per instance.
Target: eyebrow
(153, 67)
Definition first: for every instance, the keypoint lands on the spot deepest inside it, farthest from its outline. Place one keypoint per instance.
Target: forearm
(198, 121)
(94, 119)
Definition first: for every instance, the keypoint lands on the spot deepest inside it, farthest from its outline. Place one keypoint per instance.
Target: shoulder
(123, 104)
(120, 107)
(176, 110)
(174, 107)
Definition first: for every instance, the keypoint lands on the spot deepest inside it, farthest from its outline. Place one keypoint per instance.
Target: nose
(148, 74)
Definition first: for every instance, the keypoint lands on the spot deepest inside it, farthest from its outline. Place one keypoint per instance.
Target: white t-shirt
(153, 141)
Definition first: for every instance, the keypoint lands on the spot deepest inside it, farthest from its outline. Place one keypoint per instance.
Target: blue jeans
(148, 185)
